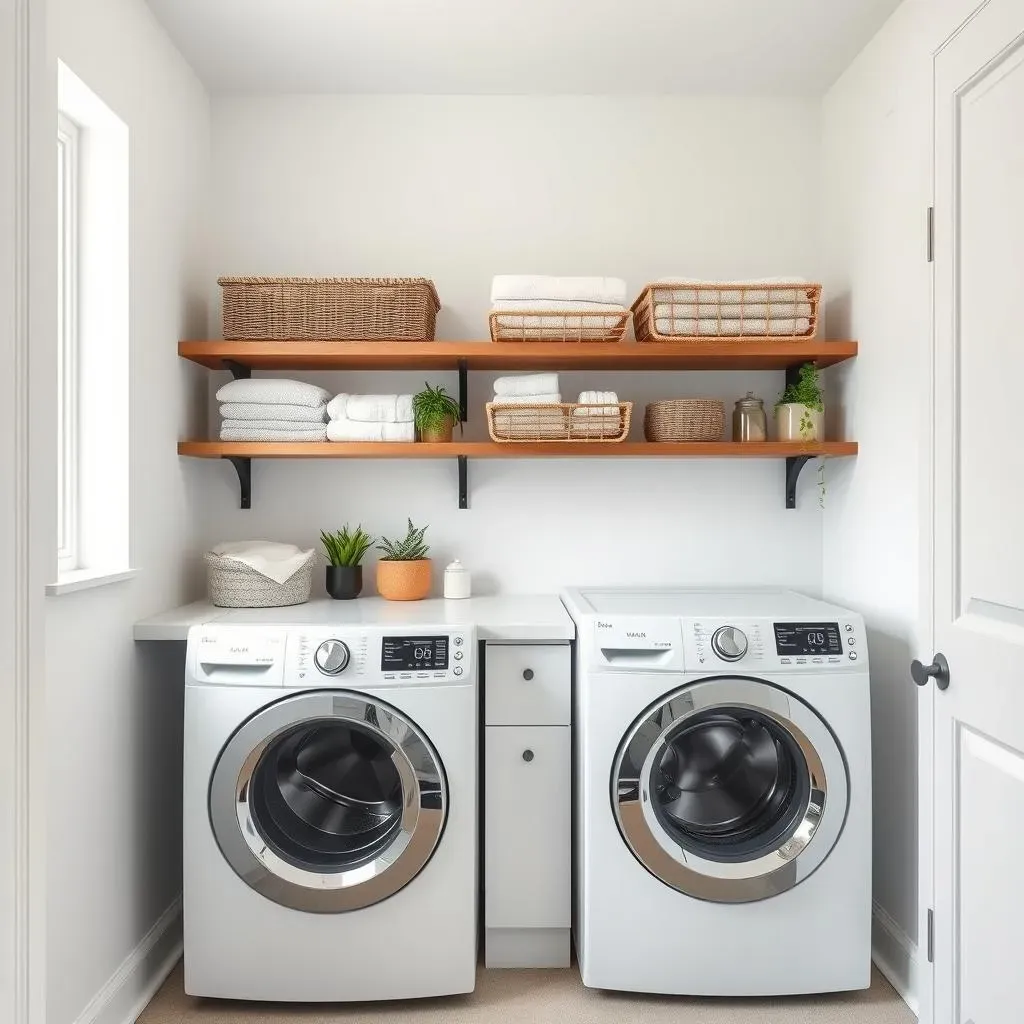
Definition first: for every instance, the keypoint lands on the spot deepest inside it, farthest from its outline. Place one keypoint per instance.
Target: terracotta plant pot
(795, 422)
(344, 582)
(404, 581)
(438, 435)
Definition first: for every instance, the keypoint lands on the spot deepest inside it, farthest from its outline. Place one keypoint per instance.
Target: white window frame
(69, 151)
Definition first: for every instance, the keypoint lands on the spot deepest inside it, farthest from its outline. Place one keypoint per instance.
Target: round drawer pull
(527, 674)
(527, 756)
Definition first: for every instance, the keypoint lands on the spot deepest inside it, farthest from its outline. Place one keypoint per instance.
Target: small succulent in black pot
(345, 550)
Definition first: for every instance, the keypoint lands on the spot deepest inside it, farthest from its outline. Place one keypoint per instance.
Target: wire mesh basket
(549, 325)
(564, 421)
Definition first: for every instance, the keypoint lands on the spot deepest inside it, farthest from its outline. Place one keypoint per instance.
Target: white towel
(372, 408)
(731, 291)
(788, 309)
(277, 426)
(278, 562)
(356, 430)
(597, 398)
(554, 306)
(266, 411)
(573, 289)
(527, 384)
(690, 328)
(255, 431)
(553, 399)
(273, 392)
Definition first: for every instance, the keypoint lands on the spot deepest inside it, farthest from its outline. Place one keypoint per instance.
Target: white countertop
(514, 617)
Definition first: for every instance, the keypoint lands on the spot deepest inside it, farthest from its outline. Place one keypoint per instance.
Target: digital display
(408, 653)
(808, 638)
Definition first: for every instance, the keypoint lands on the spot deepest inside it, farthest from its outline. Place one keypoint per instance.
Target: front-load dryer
(330, 821)
(723, 793)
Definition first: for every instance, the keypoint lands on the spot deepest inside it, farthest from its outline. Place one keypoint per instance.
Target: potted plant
(435, 413)
(800, 412)
(403, 572)
(345, 550)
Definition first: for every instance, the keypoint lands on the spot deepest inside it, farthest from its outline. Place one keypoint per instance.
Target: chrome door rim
(260, 867)
(802, 850)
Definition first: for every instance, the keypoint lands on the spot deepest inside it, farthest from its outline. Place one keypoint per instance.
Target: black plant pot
(344, 581)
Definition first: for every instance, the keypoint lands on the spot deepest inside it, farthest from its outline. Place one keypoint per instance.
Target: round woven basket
(685, 419)
(236, 585)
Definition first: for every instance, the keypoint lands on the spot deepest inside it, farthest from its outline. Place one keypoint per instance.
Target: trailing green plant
(806, 390)
(346, 547)
(433, 408)
(410, 549)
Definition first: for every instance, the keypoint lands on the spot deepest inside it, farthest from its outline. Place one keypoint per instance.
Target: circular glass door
(730, 790)
(328, 801)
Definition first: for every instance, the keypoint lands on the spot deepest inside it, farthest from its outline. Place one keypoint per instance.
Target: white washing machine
(723, 792)
(330, 802)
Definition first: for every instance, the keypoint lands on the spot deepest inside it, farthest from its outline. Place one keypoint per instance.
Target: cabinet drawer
(527, 826)
(528, 684)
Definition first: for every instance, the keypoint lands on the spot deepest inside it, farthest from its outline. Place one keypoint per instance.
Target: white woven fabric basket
(234, 584)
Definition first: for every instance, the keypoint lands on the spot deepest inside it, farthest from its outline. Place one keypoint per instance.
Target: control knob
(332, 657)
(729, 643)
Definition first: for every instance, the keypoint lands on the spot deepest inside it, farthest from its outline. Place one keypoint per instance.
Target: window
(93, 343)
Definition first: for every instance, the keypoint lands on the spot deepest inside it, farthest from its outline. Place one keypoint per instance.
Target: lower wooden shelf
(241, 454)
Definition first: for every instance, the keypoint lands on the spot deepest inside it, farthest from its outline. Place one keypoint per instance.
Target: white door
(979, 519)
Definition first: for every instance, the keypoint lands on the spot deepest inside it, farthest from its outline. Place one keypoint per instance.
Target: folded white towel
(731, 291)
(278, 562)
(356, 430)
(554, 306)
(527, 384)
(266, 411)
(690, 328)
(598, 398)
(256, 431)
(574, 289)
(273, 392)
(553, 399)
(372, 408)
(778, 309)
(279, 426)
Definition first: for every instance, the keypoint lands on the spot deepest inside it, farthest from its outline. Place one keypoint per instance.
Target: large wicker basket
(567, 421)
(689, 311)
(234, 584)
(329, 308)
(549, 325)
(685, 419)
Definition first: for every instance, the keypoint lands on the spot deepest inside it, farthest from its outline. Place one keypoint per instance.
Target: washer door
(730, 790)
(328, 801)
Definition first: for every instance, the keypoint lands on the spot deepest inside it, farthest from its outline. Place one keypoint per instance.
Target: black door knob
(527, 674)
(937, 670)
(527, 756)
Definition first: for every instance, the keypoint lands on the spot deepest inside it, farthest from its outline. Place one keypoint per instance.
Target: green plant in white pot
(800, 412)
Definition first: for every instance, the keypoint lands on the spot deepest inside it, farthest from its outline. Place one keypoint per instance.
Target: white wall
(461, 188)
(114, 743)
(877, 160)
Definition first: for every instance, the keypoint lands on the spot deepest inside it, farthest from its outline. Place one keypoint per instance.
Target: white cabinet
(527, 804)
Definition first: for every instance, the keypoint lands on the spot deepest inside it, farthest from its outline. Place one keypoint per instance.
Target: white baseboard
(127, 993)
(896, 956)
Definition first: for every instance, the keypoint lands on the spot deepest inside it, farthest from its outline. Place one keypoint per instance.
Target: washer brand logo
(239, 650)
(636, 636)
(603, 625)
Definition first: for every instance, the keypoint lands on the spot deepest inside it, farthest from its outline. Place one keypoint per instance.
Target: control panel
(325, 656)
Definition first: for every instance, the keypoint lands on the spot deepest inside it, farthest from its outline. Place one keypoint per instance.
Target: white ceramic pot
(795, 422)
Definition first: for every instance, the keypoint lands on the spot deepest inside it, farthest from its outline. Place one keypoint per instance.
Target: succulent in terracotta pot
(403, 572)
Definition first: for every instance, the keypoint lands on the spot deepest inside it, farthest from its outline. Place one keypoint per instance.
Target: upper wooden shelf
(775, 354)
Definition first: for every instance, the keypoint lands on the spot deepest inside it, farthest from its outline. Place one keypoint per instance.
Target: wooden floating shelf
(491, 450)
(773, 354)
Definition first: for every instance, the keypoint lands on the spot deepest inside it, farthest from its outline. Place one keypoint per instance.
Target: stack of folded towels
(272, 410)
(371, 418)
(534, 389)
(514, 295)
(599, 416)
(760, 308)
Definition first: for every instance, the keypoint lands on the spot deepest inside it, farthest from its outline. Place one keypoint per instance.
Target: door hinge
(931, 936)
(931, 234)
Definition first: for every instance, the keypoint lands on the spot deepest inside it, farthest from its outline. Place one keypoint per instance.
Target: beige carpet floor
(536, 997)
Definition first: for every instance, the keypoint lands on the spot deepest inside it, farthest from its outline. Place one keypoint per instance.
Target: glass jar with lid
(749, 422)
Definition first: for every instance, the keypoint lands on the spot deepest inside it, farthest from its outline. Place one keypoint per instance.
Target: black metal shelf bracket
(238, 371)
(243, 467)
(463, 482)
(463, 391)
(794, 465)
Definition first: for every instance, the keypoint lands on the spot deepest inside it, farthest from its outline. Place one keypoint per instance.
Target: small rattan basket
(548, 325)
(329, 308)
(689, 311)
(567, 421)
(234, 584)
(685, 419)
